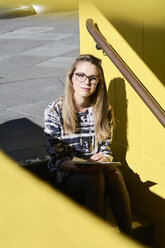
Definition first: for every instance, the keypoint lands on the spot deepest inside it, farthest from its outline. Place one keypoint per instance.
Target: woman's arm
(53, 142)
(104, 153)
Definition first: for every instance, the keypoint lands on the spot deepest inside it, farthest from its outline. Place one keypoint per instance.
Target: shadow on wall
(142, 199)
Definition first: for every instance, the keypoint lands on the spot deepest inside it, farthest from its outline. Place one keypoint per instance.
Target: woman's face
(85, 80)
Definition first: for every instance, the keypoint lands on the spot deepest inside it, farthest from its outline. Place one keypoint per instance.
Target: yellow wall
(139, 140)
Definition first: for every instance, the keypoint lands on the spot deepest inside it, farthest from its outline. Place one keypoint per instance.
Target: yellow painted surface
(152, 13)
(45, 5)
(139, 138)
(34, 215)
(144, 134)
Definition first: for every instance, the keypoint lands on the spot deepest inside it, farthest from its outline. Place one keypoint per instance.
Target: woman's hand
(99, 157)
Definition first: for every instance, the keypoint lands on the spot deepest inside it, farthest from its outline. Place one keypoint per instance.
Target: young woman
(80, 124)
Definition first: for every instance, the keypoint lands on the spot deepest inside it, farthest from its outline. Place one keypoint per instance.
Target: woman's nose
(87, 81)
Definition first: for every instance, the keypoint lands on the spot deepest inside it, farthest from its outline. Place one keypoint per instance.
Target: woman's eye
(81, 75)
(93, 78)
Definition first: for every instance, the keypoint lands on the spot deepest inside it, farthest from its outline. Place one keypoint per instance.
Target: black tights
(90, 189)
(119, 198)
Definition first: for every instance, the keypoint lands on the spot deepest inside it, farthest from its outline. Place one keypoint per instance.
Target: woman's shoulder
(55, 106)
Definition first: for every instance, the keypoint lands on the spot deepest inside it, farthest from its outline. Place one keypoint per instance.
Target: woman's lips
(87, 89)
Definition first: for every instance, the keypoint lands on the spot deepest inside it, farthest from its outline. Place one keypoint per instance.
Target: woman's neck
(82, 104)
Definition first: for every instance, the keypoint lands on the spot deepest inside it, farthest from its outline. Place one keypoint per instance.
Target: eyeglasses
(81, 77)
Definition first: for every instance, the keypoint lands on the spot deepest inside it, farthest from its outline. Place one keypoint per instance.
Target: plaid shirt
(81, 143)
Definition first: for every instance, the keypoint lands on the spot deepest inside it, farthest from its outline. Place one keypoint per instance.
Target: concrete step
(38, 167)
(142, 228)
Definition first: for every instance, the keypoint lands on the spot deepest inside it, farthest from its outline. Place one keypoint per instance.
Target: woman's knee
(113, 174)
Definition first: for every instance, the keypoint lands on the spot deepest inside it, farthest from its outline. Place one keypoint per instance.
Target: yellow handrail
(126, 72)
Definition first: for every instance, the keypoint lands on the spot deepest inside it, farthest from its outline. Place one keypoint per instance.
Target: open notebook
(84, 163)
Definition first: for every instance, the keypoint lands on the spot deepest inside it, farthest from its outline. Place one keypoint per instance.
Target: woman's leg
(119, 198)
(91, 187)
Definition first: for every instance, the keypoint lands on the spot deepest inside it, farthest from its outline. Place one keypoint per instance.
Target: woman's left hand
(99, 157)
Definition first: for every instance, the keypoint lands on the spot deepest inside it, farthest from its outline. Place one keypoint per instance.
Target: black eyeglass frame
(90, 77)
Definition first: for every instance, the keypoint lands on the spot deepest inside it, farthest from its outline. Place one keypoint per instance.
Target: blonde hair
(99, 98)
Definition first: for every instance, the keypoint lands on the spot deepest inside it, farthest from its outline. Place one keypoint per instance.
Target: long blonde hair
(99, 98)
